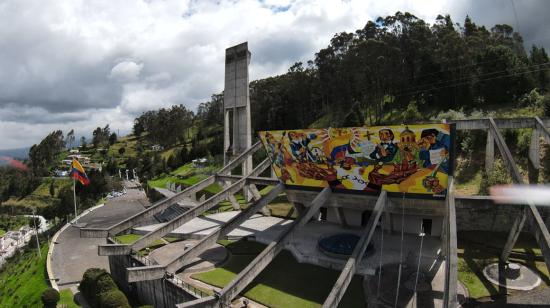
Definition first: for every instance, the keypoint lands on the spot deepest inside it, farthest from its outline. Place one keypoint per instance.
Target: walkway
(72, 255)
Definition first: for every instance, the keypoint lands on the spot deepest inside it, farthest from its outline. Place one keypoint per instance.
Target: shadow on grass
(483, 248)
(287, 283)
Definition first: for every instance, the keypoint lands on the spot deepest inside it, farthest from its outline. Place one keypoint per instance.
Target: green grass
(285, 282)
(131, 238)
(2, 232)
(478, 249)
(67, 299)
(23, 279)
(44, 188)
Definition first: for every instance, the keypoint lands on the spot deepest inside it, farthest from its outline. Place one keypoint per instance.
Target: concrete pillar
(226, 138)
(489, 152)
(534, 149)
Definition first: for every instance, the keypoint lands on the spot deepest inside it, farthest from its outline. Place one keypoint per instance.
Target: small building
(61, 173)
(199, 162)
(74, 151)
(157, 147)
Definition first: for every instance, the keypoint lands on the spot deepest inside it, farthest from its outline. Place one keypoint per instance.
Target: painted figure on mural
(299, 146)
(386, 149)
(434, 149)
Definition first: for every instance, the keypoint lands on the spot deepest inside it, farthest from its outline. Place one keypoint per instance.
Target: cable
(380, 263)
(401, 251)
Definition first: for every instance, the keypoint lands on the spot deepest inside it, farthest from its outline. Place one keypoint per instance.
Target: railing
(197, 292)
(145, 260)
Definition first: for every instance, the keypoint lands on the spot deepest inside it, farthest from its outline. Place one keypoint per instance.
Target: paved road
(72, 255)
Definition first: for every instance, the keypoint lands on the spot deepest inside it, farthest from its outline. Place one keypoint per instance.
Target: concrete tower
(237, 127)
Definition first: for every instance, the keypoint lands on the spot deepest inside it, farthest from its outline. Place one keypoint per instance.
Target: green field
(23, 279)
(285, 282)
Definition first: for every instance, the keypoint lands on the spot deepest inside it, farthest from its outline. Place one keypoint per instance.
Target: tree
(70, 138)
(83, 142)
(50, 297)
(43, 155)
(52, 188)
(112, 139)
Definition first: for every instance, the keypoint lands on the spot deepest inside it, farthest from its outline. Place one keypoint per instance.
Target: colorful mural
(414, 159)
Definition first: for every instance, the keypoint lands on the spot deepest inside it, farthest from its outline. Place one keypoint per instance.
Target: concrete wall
(480, 213)
(472, 212)
(159, 293)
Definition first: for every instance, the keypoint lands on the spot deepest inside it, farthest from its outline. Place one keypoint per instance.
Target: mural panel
(413, 159)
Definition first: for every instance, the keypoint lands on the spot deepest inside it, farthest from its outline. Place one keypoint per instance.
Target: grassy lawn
(131, 238)
(285, 282)
(23, 279)
(67, 299)
(478, 249)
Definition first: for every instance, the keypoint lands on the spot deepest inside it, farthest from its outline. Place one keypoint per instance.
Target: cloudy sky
(87, 63)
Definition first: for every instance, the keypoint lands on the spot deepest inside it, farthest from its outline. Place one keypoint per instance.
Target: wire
(401, 250)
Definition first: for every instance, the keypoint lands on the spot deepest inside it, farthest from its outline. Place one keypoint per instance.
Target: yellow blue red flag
(78, 173)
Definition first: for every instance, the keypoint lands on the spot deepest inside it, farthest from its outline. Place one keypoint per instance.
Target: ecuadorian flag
(77, 173)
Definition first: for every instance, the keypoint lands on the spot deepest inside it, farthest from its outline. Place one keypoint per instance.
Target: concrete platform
(201, 226)
(303, 244)
(213, 256)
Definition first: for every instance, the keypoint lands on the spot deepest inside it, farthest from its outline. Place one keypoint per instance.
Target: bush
(104, 283)
(546, 105)
(499, 175)
(50, 297)
(113, 299)
(88, 285)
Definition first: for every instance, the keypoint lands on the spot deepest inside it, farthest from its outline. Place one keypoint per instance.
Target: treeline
(396, 69)
(399, 68)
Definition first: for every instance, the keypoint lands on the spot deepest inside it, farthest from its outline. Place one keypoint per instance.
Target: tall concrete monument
(238, 131)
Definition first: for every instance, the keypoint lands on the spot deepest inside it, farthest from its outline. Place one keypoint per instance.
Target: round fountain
(339, 245)
(512, 276)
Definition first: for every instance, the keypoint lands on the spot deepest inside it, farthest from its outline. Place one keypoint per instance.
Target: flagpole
(74, 198)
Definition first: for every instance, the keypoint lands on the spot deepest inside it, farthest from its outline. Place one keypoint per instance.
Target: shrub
(88, 285)
(104, 283)
(499, 175)
(113, 299)
(50, 297)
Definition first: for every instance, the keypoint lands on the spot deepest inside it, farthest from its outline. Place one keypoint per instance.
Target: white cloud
(126, 71)
(68, 64)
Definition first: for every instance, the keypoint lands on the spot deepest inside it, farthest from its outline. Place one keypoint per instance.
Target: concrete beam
(142, 273)
(113, 249)
(341, 285)
(542, 126)
(205, 302)
(530, 212)
(540, 232)
(239, 159)
(534, 148)
(250, 180)
(451, 262)
(489, 152)
(255, 267)
(173, 224)
(187, 256)
(502, 123)
(505, 152)
(152, 210)
(94, 232)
